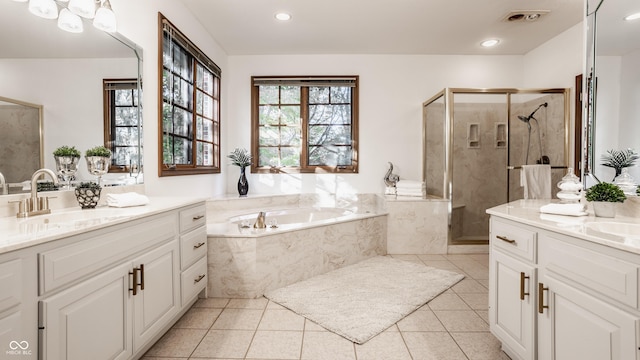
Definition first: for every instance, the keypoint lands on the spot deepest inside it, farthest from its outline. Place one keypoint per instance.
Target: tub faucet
(260, 223)
(3, 184)
(36, 205)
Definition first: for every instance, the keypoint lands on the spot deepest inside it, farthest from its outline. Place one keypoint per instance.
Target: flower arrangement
(619, 159)
(65, 150)
(240, 157)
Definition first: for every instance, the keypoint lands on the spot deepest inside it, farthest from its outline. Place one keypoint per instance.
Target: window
(305, 124)
(189, 114)
(122, 132)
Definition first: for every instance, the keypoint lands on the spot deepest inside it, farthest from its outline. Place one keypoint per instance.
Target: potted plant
(98, 161)
(241, 158)
(67, 158)
(88, 194)
(619, 159)
(604, 197)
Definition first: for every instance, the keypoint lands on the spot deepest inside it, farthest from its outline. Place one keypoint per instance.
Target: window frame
(109, 121)
(196, 57)
(305, 82)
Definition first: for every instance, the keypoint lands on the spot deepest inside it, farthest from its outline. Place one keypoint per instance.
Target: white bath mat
(362, 300)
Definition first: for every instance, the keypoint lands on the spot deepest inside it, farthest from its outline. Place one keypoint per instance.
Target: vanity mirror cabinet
(555, 296)
(60, 75)
(107, 293)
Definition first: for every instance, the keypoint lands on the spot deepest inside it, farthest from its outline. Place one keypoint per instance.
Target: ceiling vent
(525, 15)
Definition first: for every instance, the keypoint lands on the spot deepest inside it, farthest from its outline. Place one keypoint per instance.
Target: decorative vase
(88, 198)
(604, 209)
(67, 166)
(243, 184)
(98, 165)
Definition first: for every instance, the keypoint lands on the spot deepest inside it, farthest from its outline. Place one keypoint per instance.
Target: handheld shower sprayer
(527, 119)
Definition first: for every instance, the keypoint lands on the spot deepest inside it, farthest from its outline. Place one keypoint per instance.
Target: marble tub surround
(220, 209)
(63, 199)
(417, 226)
(584, 227)
(246, 267)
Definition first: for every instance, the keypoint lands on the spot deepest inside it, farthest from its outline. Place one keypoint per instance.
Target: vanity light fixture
(105, 19)
(69, 21)
(282, 16)
(635, 16)
(84, 8)
(490, 43)
(44, 8)
(20, 0)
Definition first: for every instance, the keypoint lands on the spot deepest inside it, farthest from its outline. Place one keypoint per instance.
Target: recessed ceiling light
(283, 16)
(490, 43)
(635, 16)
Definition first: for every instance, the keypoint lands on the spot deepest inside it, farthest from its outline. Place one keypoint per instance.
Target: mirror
(63, 73)
(613, 113)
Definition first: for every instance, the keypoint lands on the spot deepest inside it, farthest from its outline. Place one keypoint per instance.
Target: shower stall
(475, 142)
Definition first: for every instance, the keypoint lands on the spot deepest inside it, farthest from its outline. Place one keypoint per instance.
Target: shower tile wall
(479, 176)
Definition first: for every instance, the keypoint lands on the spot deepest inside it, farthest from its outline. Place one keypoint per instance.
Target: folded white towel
(536, 180)
(402, 192)
(564, 209)
(127, 199)
(410, 184)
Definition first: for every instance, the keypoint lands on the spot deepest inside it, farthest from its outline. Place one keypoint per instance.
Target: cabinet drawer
(193, 245)
(194, 279)
(192, 218)
(11, 283)
(514, 239)
(590, 268)
(95, 250)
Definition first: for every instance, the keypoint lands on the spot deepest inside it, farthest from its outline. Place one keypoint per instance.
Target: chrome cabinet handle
(197, 217)
(541, 305)
(198, 245)
(197, 280)
(522, 292)
(506, 239)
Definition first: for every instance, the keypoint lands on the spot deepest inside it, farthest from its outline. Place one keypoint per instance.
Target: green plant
(240, 157)
(98, 151)
(88, 185)
(605, 192)
(619, 159)
(65, 150)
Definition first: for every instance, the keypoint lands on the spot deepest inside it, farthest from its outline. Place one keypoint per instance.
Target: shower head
(527, 118)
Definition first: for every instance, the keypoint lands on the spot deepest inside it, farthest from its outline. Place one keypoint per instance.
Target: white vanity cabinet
(111, 293)
(18, 306)
(580, 298)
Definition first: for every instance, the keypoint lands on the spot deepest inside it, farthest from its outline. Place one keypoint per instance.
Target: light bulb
(70, 22)
(105, 19)
(44, 8)
(84, 8)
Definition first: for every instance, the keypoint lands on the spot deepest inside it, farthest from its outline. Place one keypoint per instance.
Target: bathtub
(298, 243)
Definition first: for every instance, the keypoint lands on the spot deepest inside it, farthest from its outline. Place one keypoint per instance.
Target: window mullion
(304, 114)
(194, 114)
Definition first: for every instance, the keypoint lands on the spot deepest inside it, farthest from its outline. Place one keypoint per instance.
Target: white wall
(392, 89)
(138, 21)
(629, 127)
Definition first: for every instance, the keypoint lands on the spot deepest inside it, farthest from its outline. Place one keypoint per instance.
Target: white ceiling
(248, 27)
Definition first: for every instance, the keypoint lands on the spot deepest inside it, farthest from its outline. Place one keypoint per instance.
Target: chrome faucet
(3, 185)
(260, 224)
(36, 205)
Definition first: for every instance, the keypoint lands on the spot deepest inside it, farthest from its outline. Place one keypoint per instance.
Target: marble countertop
(20, 233)
(528, 212)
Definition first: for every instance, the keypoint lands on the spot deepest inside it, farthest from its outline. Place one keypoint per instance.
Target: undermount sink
(626, 230)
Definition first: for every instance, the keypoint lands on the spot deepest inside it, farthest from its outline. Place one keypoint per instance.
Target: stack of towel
(410, 188)
(126, 199)
(564, 209)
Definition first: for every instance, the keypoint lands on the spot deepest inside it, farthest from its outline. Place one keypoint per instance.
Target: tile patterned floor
(452, 326)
